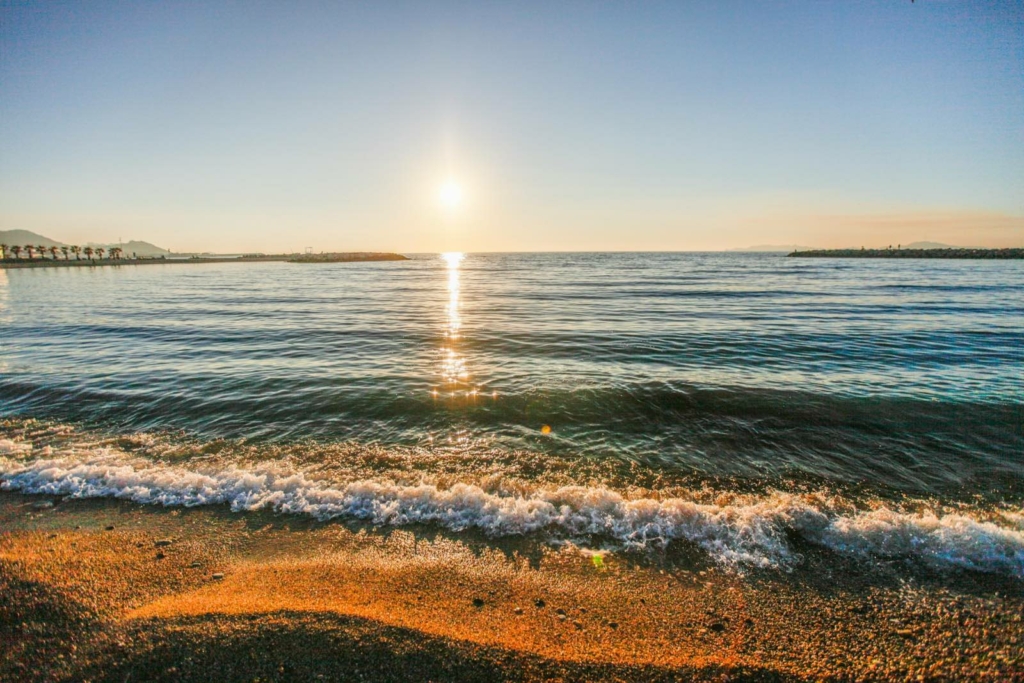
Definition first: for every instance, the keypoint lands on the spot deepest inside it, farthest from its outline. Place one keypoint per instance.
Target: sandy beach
(107, 590)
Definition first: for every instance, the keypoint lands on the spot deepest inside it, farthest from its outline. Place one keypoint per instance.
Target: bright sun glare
(450, 194)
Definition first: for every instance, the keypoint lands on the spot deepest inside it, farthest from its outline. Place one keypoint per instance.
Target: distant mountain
(772, 247)
(933, 245)
(23, 237)
(136, 247)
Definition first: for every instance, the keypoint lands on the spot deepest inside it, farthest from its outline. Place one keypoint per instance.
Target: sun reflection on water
(455, 375)
(453, 364)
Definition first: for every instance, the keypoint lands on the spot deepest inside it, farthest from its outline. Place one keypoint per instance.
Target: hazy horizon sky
(564, 125)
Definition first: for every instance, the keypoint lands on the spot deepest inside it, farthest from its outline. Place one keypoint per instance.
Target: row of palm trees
(31, 249)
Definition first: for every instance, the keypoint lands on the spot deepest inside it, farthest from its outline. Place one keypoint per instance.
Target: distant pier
(346, 257)
(951, 253)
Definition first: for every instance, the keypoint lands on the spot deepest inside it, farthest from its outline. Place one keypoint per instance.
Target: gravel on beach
(271, 598)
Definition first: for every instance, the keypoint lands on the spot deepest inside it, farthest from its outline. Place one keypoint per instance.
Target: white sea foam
(752, 533)
(10, 447)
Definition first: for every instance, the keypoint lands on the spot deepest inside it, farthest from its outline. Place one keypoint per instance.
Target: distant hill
(23, 237)
(137, 247)
(933, 245)
(772, 247)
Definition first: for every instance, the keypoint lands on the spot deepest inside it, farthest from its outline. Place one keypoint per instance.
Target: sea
(740, 405)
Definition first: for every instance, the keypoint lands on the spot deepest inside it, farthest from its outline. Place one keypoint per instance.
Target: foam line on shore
(752, 533)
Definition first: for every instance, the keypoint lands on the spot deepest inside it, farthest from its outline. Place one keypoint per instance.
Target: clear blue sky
(566, 125)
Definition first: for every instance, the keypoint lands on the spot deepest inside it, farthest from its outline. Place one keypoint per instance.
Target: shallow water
(742, 372)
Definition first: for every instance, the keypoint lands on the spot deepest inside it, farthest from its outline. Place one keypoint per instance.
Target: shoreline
(100, 589)
(358, 257)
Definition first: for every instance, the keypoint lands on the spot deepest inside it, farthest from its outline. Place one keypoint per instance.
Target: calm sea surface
(729, 401)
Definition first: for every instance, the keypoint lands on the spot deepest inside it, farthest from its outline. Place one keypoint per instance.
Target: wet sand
(105, 590)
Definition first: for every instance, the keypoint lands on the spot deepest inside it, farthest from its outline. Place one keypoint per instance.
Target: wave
(749, 532)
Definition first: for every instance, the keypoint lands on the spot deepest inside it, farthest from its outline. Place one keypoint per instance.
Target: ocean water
(729, 401)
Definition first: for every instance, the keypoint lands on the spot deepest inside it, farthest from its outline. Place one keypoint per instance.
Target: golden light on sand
(450, 194)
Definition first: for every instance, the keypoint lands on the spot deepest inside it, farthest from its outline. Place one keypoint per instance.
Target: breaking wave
(752, 532)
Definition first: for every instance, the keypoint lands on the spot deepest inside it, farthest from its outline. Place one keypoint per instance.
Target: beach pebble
(160, 556)
(162, 542)
(477, 602)
(717, 627)
(613, 624)
(518, 610)
(196, 565)
(110, 527)
(539, 603)
(561, 617)
(217, 576)
(560, 611)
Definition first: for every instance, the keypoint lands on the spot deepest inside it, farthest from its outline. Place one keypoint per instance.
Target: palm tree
(116, 252)
(64, 250)
(77, 251)
(16, 250)
(99, 252)
(3, 251)
(30, 249)
(53, 252)
(88, 253)
(42, 251)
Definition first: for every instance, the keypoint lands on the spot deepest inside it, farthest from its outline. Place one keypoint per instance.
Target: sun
(450, 194)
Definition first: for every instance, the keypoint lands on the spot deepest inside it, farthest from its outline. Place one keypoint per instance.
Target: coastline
(102, 589)
(355, 257)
